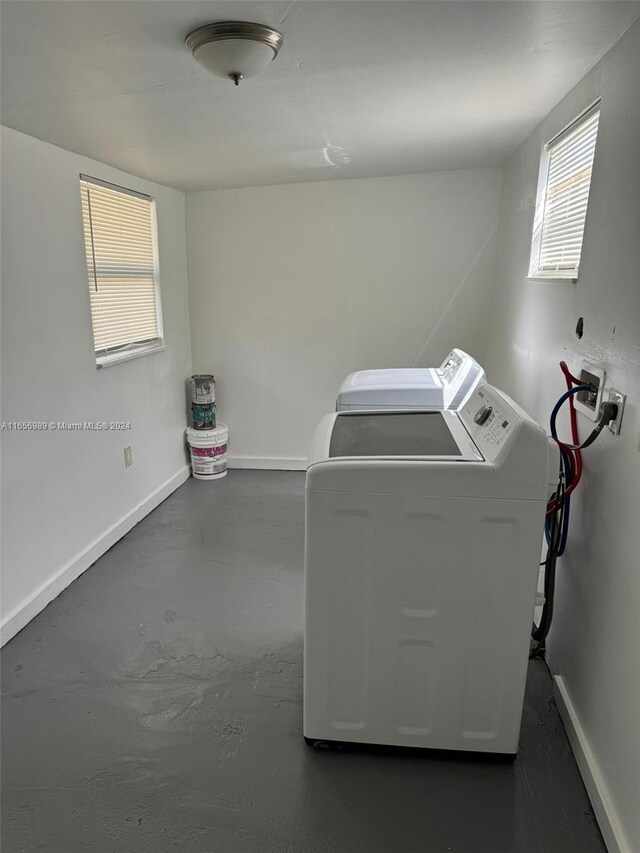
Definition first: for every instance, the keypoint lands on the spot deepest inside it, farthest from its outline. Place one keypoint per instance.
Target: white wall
(595, 639)
(292, 287)
(66, 496)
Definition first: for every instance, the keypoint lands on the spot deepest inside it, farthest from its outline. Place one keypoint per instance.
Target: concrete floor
(156, 706)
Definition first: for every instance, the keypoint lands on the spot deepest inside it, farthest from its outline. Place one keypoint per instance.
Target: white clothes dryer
(444, 387)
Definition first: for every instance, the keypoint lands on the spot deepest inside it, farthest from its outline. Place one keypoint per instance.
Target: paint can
(203, 415)
(208, 450)
(203, 388)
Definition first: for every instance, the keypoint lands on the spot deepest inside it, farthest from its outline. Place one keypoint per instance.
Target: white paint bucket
(208, 450)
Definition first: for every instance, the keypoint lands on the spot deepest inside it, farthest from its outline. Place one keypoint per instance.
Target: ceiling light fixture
(234, 49)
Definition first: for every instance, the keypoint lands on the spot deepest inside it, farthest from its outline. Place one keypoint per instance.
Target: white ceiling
(360, 88)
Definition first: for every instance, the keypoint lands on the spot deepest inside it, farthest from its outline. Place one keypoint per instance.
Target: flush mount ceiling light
(234, 49)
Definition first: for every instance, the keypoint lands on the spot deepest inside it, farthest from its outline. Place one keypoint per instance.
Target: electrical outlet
(588, 402)
(128, 456)
(616, 397)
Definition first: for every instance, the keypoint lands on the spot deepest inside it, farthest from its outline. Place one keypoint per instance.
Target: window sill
(119, 357)
(571, 279)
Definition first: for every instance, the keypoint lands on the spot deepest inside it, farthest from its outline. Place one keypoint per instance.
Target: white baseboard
(38, 600)
(271, 463)
(603, 806)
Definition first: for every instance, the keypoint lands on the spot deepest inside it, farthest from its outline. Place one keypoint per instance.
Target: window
(563, 194)
(120, 241)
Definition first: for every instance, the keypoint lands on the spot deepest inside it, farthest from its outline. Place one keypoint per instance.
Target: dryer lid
(436, 435)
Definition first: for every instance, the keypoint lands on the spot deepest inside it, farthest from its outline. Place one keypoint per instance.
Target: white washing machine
(422, 550)
(444, 387)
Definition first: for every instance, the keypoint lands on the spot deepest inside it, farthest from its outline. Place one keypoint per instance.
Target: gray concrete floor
(156, 706)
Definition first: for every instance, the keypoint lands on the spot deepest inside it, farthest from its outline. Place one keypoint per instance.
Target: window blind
(119, 233)
(569, 167)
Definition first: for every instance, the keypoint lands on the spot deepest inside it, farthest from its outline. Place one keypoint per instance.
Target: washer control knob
(482, 415)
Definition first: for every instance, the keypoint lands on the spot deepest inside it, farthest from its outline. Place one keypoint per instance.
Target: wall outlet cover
(128, 456)
(620, 399)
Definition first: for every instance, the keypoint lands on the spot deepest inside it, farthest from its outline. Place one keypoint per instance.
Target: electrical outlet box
(128, 456)
(588, 402)
(614, 396)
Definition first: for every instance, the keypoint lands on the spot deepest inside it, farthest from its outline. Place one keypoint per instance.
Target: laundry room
(320, 445)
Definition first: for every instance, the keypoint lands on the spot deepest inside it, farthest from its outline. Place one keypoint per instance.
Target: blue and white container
(203, 416)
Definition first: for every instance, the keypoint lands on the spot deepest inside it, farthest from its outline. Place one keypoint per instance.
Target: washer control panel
(459, 374)
(482, 415)
(490, 421)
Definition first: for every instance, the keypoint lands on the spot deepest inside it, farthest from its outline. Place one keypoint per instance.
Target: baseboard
(24, 613)
(271, 463)
(603, 807)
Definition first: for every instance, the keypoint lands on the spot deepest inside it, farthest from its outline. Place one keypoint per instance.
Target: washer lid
(436, 435)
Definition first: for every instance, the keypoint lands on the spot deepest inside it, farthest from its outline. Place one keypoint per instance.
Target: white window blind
(561, 206)
(120, 241)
